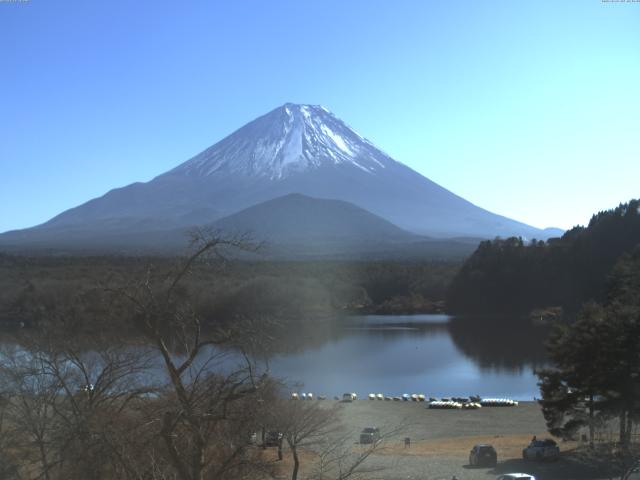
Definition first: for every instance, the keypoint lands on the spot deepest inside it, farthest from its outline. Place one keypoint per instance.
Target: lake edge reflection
(436, 355)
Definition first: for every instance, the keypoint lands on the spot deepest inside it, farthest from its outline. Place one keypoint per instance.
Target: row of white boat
(307, 396)
(451, 405)
(472, 402)
(416, 397)
(498, 402)
(485, 402)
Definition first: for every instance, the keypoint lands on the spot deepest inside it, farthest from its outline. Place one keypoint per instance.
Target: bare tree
(65, 402)
(302, 425)
(180, 403)
(338, 459)
(205, 426)
(317, 429)
(30, 396)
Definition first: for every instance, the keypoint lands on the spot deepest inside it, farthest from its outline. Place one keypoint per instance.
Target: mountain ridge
(299, 218)
(292, 149)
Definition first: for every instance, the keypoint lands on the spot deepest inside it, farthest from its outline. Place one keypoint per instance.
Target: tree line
(303, 290)
(515, 276)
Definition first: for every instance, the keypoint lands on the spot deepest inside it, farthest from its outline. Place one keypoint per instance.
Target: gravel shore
(441, 441)
(420, 423)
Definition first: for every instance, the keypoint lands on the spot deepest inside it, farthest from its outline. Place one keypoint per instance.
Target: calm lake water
(436, 355)
(431, 354)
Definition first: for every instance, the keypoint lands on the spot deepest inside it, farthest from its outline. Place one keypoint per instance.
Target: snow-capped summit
(292, 138)
(294, 149)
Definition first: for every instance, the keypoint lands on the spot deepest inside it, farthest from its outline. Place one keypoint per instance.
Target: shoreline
(441, 441)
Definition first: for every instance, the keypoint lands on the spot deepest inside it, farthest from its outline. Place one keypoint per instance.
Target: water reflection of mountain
(491, 343)
(315, 335)
(499, 343)
(393, 326)
(396, 354)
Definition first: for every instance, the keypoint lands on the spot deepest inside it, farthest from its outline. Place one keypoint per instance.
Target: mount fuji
(294, 149)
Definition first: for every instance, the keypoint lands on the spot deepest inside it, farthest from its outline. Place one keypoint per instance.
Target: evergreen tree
(507, 276)
(596, 361)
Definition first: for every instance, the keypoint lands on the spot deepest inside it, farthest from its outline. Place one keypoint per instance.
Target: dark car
(541, 450)
(272, 439)
(370, 435)
(483, 456)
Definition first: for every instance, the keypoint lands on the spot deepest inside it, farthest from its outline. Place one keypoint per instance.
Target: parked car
(370, 435)
(539, 450)
(483, 456)
(272, 439)
(633, 473)
(516, 476)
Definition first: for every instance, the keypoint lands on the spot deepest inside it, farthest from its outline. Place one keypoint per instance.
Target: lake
(432, 354)
(436, 355)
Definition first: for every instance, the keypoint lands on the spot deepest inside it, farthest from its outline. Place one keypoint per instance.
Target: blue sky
(529, 109)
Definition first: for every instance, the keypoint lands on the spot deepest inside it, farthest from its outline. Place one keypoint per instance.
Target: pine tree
(596, 361)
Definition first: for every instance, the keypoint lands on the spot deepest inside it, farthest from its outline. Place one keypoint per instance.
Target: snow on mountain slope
(287, 140)
(294, 149)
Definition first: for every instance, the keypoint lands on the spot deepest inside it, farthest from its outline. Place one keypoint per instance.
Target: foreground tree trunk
(43, 459)
(296, 463)
(629, 428)
(591, 419)
(623, 430)
(206, 425)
